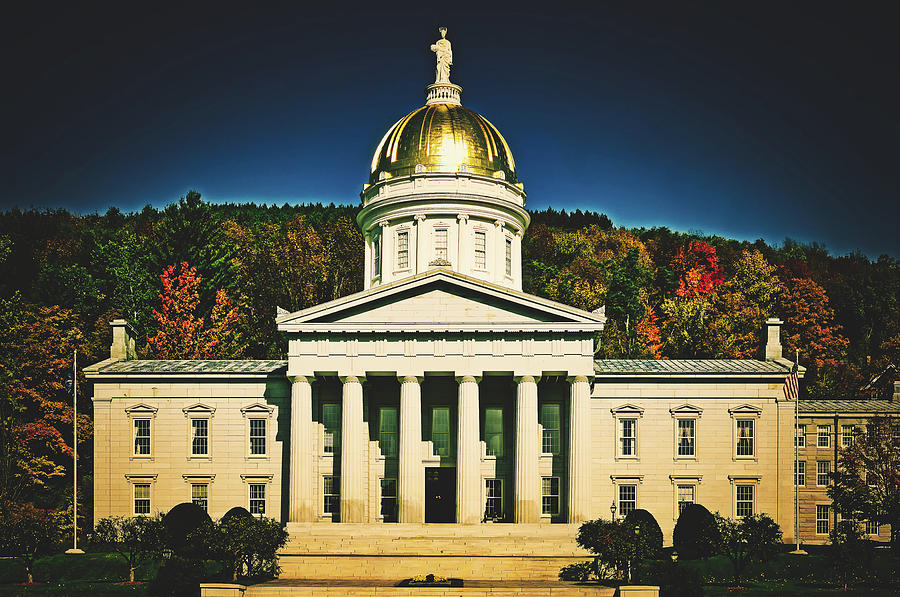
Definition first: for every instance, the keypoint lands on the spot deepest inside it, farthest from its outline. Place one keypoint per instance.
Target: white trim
(199, 409)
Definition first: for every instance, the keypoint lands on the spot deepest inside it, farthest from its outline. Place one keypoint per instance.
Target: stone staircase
(503, 552)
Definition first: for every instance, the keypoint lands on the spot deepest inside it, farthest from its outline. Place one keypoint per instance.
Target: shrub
(181, 526)
(747, 539)
(606, 539)
(137, 539)
(579, 572)
(237, 511)
(247, 546)
(648, 537)
(696, 534)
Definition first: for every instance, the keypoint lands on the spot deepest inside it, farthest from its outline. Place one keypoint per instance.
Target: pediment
(199, 409)
(440, 299)
(745, 409)
(627, 409)
(686, 409)
(141, 409)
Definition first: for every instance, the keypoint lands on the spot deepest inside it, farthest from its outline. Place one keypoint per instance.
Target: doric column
(579, 449)
(352, 445)
(412, 473)
(462, 248)
(301, 504)
(527, 485)
(468, 454)
(421, 251)
(387, 256)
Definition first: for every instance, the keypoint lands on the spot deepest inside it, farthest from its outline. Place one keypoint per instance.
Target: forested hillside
(203, 281)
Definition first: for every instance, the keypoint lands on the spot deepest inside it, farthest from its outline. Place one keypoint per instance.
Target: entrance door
(440, 494)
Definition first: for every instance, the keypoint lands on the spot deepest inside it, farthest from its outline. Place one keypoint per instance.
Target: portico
(462, 391)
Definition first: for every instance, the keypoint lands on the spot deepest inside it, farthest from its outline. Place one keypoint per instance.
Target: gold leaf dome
(443, 137)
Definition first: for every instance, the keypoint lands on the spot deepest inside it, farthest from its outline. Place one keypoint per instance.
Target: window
(685, 434)
(200, 495)
(823, 522)
(627, 499)
(440, 243)
(684, 495)
(493, 431)
(389, 500)
(550, 495)
(387, 431)
(480, 249)
(801, 436)
(627, 437)
(142, 498)
(257, 437)
(403, 249)
(743, 504)
(823, 468)
(823, 436)
(199, 437)
(376, 256)
(508, 256)
(493, 499)
(800, 472)
(331, 420)
(331, 492)
(847, 435)
(550, 421)
(142, 437)
(871, 527)
(258, 498)
(440, 430)
(745, 437)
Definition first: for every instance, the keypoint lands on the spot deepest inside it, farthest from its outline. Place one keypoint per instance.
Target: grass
(769, 588)
(63, 568)
(77, 588)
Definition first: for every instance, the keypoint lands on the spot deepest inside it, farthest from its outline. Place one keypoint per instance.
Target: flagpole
(797, 455)
(75, 457)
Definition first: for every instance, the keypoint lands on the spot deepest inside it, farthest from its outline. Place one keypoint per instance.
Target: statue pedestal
(443, 93)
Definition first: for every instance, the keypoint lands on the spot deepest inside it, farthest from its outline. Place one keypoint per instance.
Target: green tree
(866, 482)
(137, 539)
(124, 261)
(747, 539)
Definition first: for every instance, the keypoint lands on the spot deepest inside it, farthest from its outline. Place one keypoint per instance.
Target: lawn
(87, 575)
(75, 588)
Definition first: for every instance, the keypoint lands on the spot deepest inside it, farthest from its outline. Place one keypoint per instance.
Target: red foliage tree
(697, 269)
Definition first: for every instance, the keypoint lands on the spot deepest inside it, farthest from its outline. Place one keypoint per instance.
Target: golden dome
(443, 137)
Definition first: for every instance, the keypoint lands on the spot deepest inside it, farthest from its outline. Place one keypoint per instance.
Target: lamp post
(72, 386)
(612, 510)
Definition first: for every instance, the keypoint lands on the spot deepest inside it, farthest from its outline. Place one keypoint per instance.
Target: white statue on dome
(444, 57)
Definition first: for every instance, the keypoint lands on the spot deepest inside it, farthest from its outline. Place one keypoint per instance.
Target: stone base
(392, 552)
(298, 588)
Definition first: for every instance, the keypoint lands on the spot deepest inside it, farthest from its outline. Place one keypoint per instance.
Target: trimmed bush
(648, 537)
(181, 524)
(696, 534)
(177, 577)
(236, 512)
(673, 580)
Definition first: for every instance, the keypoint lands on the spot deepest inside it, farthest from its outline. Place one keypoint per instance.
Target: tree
(696, 535)
(866, 482)
(247, 545)
(26, 532)
(137, 539)
(619, 544)
(648, 537)
(124, 263)
(181, 334)
(750, 538)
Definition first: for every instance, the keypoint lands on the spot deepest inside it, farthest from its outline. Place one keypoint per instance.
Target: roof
(191, 366)
(651, 367)
(855, 406)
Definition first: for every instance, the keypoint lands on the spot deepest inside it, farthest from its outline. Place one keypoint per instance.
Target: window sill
(199, 458)
(146, 457)
(745, 458)
(634, 458)
(258, 457)
(685, 458)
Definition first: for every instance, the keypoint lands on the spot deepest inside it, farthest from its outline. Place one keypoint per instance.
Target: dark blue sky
(762, 119)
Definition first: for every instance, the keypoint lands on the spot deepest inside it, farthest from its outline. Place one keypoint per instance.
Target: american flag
(792, 385)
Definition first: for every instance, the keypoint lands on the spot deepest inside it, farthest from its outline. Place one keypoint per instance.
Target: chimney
(896, 396)
(773, 339)
(123, 344)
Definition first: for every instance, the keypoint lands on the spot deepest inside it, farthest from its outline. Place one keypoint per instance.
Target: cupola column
(367, 261)
(387, 259)
(353, 443)
(499, 252)
(412, 473)
(527, 480)
(421, 251)
(468, 455)
(579, 449)
(462, 248)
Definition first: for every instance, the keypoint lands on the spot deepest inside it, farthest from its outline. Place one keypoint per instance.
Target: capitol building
(441, 411)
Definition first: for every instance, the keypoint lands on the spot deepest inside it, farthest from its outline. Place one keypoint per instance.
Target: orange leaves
(181, 334)
(697, 267)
